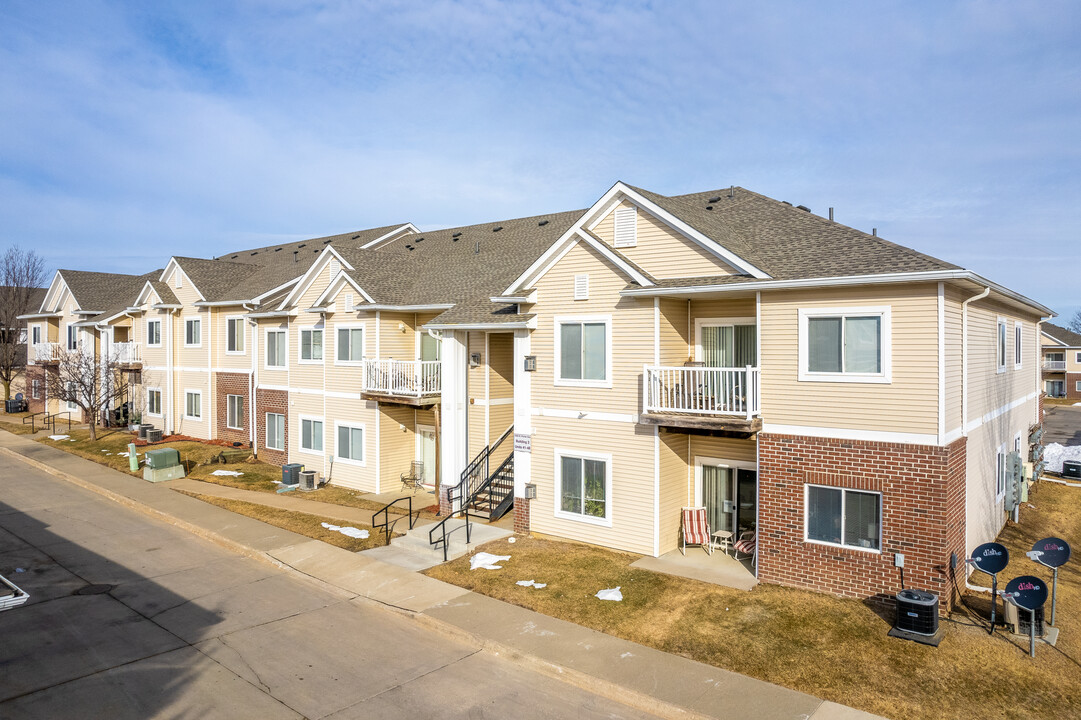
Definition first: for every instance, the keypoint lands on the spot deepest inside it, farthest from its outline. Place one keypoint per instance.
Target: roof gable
(1060, 335)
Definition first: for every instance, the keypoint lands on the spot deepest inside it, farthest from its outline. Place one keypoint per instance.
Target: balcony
(47, 353)
(702, 398)
(1054, 365)
(407, 382)
(128, 353)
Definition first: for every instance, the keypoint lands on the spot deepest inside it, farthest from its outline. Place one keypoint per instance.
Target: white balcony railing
(127, 353)
(702, 390)
(1054, 364)
(412, 378)
(46, 352)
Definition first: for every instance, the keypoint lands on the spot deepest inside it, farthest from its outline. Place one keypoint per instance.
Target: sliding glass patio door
(727, 346)
(730, 496)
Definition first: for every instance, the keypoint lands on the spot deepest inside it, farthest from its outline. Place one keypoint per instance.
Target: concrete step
(416, 540)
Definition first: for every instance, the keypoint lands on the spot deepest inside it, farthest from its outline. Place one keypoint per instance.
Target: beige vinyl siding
(674, 460)
(677, 341)
(500, 384)
(273, 376)
(311, 407)
(662, 251)
(354, 412)
(985, 515)
(399, 344)
(908, 404)
(186, 381)
(397, 447)
(953, 359)
(988, 388)
(223, 359)
(476, 412)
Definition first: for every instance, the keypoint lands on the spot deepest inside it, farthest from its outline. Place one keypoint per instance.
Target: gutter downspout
(964, 358)
(252, 383)
(212, 417)
(169, 369)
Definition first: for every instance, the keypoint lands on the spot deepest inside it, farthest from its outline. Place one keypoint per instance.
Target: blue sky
(132, 131)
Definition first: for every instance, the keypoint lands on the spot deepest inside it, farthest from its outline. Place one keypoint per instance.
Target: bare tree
(21, 273)
(93, 384)
(1075, 322)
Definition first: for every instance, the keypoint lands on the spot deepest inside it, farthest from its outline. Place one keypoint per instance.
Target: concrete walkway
(653, 681)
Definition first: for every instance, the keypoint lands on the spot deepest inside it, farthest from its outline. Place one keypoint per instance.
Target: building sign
(523, 443)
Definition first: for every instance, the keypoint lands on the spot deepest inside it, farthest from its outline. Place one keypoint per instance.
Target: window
(1077, 358)
(275, 348)
(72, 394)
(153, 333)
(193, 404)
(193, 332)
(583, 351)
(35, 334)
(626, 227)
(311, 435)
(1000, 473)
(350, 344)
(1017, 346)
(275, 431)
(311, 345)
(35, 389)
(234, 335)
(73, 337)
(153, 401)
(350, 443)
(234, 412)
(844, 344)
(584, 485)
(22, 336)
(838, 516)
(1076, 386)
(1001, 345)
(581, 287)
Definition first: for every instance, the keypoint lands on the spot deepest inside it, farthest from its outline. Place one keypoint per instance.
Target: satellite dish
(991, 558)
(1052, 551)
(19, 397)
(1028, 592)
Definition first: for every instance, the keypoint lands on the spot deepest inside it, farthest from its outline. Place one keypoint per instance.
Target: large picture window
(584, 486)
(275, 431)
(234, 335)
(350, 446)
(844, 344)
(275, 348)
(311, 435)
(311, 345)
(839, 516)
(350, 344)
(583, 351)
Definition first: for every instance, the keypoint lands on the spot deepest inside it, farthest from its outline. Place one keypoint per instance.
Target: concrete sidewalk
(663, 684)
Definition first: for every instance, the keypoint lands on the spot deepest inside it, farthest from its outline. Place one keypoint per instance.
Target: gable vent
(178, 279)
(581, 287)
(349, 302)
(335, 268)
(626, 226)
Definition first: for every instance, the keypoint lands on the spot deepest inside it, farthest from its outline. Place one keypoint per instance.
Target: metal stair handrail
(386, 515)
(442, 526)
(476, 474)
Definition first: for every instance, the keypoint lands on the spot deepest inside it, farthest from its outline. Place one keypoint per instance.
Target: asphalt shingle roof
(106, 292)
(1064, 336)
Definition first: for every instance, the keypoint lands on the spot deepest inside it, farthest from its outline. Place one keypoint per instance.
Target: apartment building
(1061, 362)
(847, 399)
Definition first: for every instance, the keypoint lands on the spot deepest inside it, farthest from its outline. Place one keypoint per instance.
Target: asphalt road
(1062, 425)
(176, 627)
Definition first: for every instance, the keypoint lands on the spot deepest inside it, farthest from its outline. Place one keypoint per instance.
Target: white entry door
(426, 451)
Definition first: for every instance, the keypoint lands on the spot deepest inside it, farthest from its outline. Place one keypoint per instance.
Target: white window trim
(561, 320)
(185, 326)
(69, 331)
(561, 453)
(36, 327)
(1018, 345)
(243, 334)
(300, 344)
(1077, 386)
(700, 323)
(363, 343)
(806, 505)
(1003, 451)
(266, 432)
(160, 402)
(199, 417)
(1002, 330)
(266, 348)
(229, 397)
(883, 311)
(35, 389)
(300, 435)
(363, 450)
(148, 324)
(1077, 358)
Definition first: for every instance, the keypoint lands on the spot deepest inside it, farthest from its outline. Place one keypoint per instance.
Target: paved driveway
(1062, 425)
(173, 626)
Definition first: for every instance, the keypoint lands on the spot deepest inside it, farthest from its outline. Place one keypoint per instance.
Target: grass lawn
(112, 441)
(829, 647)
(300, 523)
(13, 423)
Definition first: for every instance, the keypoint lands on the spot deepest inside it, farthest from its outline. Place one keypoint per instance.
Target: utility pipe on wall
(964, 358)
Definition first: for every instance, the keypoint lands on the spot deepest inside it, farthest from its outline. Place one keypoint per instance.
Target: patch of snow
(350, 531)
(532, 584)
(58, 438)
(611, 594)
(230, 473)
(1054, 454)
(487, 561)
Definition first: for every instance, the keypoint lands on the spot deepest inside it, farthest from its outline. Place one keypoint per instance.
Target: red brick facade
(274, 401)
(923, 514)
(35, 372)
(521, 515)
(1072, 392)
(232, 384)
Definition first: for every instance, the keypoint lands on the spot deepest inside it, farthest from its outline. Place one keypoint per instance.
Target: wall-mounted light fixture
(530, 363)
(474, 359)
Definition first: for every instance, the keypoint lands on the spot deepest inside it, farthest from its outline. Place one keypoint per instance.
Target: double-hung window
(36, 389)
(72, 393)
(153, 401)
(275, 431)
(153, 333)
(35, 334)
(583, 351)
(193, 405)
(73, 337)
(275, 349)
(193, 332)
(1001, 345)
(585, 483)
(234, 335)
(311, 435)
(844, 344)
(311, 345)
(839, 516)
(350, 446)
(350, 344)
(234, 415)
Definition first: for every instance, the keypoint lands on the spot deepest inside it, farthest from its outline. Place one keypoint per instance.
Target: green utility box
(163, 464)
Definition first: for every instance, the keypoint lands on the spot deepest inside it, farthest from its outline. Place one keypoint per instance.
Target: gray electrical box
(162, 464)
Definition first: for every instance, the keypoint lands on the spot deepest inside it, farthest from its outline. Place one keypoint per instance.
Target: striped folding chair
(695, 529)
(748, 545)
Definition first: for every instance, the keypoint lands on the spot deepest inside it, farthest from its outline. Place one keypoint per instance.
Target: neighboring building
(1061, 362)
(849, 399)
(18, 334)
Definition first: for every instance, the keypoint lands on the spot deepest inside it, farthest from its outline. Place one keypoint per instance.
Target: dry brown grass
(112, 441)
(13, 423)
(300, 523)
(829, 647)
